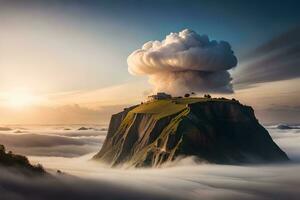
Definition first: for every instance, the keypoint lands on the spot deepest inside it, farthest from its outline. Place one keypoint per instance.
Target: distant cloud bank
(185, 62)
(275, 60)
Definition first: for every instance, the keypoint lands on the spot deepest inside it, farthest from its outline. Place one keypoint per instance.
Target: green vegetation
(167, 107)
(160, 130)
(8, 159)
(159, 146)
(207, 96)
(158, 109)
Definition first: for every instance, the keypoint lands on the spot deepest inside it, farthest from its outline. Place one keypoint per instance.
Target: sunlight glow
(18, 99)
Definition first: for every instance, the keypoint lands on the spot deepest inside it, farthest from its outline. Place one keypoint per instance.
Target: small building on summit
(159, 96)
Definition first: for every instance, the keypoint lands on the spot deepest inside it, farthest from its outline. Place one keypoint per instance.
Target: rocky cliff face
(214, 130)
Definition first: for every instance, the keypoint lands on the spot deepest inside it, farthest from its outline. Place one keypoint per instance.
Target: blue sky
(53, 48)
(111, 30)
(244, 23)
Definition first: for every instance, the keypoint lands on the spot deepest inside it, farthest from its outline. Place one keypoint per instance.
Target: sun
(18, 99)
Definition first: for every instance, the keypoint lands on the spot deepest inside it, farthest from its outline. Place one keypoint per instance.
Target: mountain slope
(19, 163)
(214, 130)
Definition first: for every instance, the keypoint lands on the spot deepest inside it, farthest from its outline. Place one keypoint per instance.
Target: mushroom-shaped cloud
(185, 62)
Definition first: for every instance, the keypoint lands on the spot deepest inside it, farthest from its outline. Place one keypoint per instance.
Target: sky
(66, 61)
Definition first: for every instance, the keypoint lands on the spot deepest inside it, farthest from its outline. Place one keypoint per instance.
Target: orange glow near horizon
(19, 98)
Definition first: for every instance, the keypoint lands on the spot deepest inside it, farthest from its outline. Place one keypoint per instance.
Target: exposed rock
(5, 129)
(85, 128)
(284, 126)
(214, 130)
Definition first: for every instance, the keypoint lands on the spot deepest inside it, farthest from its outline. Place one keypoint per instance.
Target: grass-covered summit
(215, 130)
(166, 107)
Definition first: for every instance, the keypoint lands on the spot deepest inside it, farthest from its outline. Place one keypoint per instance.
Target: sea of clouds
(183, 179)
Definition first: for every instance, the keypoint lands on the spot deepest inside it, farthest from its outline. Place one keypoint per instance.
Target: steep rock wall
(223, 132)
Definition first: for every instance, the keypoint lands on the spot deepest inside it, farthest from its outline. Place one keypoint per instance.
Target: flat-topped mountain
(214, 130)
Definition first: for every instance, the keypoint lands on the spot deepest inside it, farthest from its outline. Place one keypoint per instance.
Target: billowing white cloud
(184, 62)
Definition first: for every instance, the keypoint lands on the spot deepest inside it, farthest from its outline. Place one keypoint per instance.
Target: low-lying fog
(69, 150)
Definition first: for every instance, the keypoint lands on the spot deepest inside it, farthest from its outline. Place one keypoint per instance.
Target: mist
(56, 141)
(185, 178)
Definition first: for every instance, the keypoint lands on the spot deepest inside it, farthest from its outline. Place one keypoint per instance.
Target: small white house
(159, 96)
